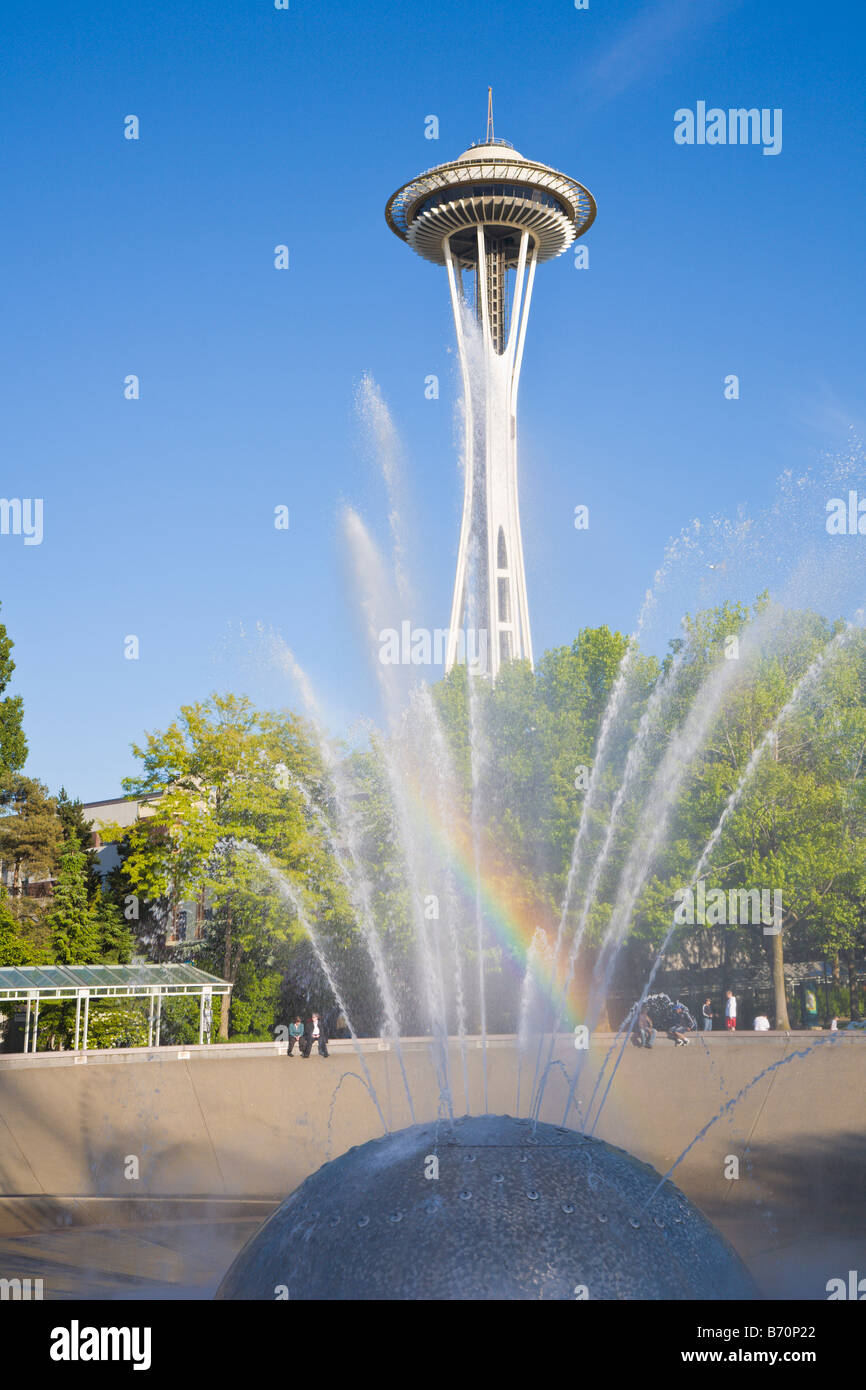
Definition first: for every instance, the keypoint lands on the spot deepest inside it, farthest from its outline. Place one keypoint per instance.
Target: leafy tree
(113, 1024)
(15, 949)
(13, 744)
(798, 827)
(228, 775)
(256, 1001)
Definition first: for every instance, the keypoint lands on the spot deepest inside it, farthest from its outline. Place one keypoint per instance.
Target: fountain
(516, 1207)
(490, 1207)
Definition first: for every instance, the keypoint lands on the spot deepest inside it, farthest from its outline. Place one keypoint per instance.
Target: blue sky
(261, 127)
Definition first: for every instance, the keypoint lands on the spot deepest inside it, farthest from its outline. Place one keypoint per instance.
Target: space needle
(496, 214)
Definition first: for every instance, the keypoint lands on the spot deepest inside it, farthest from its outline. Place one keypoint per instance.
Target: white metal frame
(33, 995)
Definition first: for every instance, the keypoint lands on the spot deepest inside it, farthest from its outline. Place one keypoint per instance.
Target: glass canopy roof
(65, 981)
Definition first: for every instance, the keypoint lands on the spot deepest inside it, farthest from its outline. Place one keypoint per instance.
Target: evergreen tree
(115, 939)
(74, 822)
(30, 832)
(75, 931)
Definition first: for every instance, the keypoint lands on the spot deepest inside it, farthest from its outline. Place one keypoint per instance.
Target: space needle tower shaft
(496, 215)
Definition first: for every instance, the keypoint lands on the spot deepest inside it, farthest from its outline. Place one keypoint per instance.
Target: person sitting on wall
(665, 1013)
(761, 1024)
(296, 1034)
(646, 1029)
(314, 1032)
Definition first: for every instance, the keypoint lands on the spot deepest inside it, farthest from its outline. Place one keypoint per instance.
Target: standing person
(296, 1033)
(314, 1032)
(708, 1016)
(730, 1011)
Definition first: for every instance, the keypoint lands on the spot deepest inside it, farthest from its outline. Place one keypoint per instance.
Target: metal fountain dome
(494, 186)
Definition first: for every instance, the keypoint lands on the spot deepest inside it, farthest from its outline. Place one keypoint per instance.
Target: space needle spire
(496, 214)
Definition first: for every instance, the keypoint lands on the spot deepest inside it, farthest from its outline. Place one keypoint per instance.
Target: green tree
(74, 822)
(13, 744)
(75, 934)
(226, 775)
(799, 825)
(30, 831)
(15, 949)
(115, 940)
(256, 1000)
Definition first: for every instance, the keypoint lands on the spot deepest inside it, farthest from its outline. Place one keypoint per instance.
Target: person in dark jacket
(315, 1032)
(680, 1025)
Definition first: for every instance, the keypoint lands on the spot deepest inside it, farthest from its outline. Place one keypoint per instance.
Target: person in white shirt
(315, 1033)
(730, 1011)
(761, 1024)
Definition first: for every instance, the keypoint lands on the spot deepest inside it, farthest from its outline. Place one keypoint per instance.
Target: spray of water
(729, 1105)
(803, 687)
(359, 890)
(354, 874)
(384, 443)
(292, 896)
(375, 592)
(677, 761)
(633, 767)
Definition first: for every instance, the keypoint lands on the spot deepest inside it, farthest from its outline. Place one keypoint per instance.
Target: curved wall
(239, 1125)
